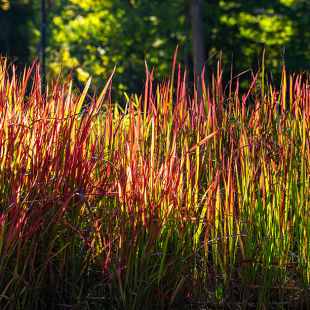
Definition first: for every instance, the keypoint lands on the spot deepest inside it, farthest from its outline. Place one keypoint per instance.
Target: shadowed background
(94, 35)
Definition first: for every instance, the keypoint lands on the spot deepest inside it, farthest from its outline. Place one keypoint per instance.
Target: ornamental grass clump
(166, 202)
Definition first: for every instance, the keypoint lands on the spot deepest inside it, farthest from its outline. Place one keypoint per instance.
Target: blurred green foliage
(4, 4)
(94, 35)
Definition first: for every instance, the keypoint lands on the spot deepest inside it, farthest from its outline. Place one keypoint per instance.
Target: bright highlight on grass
(168, 202)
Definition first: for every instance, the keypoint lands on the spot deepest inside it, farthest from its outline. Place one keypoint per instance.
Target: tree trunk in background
(199, 55)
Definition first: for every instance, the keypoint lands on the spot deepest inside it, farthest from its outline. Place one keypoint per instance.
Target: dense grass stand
(167, 203)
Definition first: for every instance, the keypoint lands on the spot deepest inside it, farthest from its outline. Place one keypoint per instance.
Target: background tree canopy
(94, 35)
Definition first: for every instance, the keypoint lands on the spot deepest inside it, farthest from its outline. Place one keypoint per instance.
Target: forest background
(94, 35)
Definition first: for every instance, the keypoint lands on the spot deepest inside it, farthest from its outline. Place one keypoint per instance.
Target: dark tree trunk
(199, 54)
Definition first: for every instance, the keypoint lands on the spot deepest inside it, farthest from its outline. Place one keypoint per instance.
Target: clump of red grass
(171, 201)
